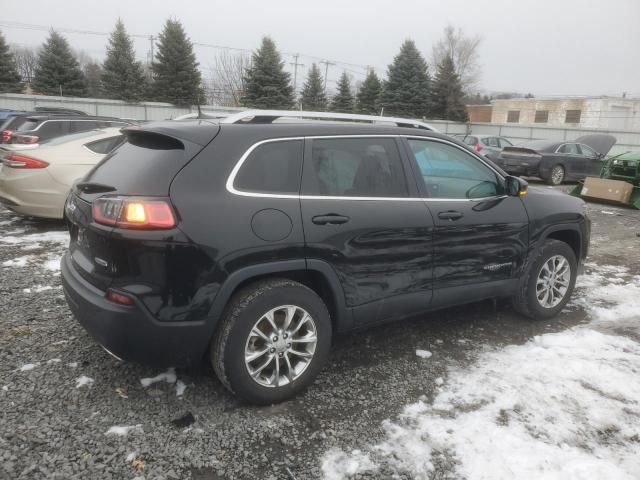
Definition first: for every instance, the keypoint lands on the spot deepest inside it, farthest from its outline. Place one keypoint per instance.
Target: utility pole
(326, 71)
(295, 72)
(151, 40)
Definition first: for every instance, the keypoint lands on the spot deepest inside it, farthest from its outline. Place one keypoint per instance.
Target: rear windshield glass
(469, 140)
(144, 164)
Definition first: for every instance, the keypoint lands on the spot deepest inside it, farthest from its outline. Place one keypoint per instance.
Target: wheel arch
(569, 234)
(317, 275)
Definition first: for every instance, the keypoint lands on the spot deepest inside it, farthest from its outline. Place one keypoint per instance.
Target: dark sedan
(556, 161)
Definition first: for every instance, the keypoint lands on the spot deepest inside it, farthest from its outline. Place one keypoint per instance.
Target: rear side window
(355, 167)
(470, 140)
(273, 167)
(105, 145)
(51, 129)
(84, 125)
(27, 125)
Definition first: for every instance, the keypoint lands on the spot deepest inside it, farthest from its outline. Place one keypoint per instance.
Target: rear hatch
(519, 156)
(143, 166)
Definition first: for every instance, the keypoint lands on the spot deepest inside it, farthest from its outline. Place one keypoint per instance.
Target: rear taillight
(478, 147)
(6, 136)
(14, 160)
(132, 212)
(26, 139)
(119, 298)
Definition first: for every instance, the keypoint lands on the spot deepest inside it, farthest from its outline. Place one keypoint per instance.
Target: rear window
(273, 167)
(144, 164)
(469, 140)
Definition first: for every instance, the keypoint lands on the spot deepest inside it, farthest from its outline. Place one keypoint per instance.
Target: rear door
(480, 235)
(570, 156)
(363, 217)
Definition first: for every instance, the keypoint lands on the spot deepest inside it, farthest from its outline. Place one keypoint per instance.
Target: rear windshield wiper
(89, 187)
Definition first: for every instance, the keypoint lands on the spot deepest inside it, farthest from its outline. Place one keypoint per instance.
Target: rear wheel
(549, 281)
(273, 341)
(556, 177)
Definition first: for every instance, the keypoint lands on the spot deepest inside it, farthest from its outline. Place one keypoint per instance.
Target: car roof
(201, 131)
(63, 116)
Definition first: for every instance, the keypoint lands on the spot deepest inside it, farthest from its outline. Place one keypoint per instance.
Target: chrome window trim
(232, 176)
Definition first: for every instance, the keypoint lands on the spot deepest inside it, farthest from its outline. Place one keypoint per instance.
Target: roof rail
(268, 116)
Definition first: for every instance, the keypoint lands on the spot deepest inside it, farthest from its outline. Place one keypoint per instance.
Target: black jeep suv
(254, 243)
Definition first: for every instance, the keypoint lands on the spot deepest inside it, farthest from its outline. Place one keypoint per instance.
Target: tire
(526, 301)
(247, 313)
(556, 176)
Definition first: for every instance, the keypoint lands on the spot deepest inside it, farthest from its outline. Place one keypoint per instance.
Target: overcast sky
(547, 47)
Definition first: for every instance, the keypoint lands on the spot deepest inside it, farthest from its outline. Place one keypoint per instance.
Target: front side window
(505, 143)
(588, 151)
(273, 167)
(449, 172)
(491, 142)
(355, 167)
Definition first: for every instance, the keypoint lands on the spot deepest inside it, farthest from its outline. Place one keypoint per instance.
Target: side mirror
(515, 186)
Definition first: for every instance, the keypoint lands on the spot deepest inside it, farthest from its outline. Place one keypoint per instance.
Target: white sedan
(37, 181)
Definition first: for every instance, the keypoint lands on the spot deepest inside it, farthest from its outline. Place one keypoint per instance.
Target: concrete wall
(102, 107)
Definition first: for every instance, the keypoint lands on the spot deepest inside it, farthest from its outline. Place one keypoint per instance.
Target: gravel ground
(61, 394)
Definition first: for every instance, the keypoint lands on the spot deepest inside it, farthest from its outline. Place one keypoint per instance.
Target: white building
(609, 113)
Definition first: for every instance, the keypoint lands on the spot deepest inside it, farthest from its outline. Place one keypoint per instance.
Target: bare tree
(227, 78)
(26, 60)
(464, 51)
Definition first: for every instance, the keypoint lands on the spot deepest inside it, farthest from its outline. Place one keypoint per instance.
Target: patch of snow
(180, 388)
(131, 457)
(337, 465)
(423, 353)
(83, 380)
(5, 388)
(61, 238)
(169, 376)
(53, 360)
(37, 289)
(122, 431)
(73, 364)
(439, 381)
(28, 366)
(53, 264)
(562, 406)
(17, 262)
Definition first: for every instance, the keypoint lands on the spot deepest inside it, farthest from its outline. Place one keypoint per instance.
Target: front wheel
(556, 176)
(273, 341)
(548, 282)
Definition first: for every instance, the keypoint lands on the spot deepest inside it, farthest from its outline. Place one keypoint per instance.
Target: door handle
(331, 218)
(450, 215)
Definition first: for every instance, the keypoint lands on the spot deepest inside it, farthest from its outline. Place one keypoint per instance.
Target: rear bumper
(131, 333)
(32, 193)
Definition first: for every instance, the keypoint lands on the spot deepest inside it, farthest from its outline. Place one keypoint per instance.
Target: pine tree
(446, 95)
(343, 101)
(406, 91)
(368, 98)
(9, 76)
(266, 84)
(313, 97)
(176, 78)
(58, 71)
(93, 74)
(122, 76)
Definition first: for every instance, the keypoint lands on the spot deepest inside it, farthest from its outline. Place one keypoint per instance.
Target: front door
(362, 218)
(480, 235)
